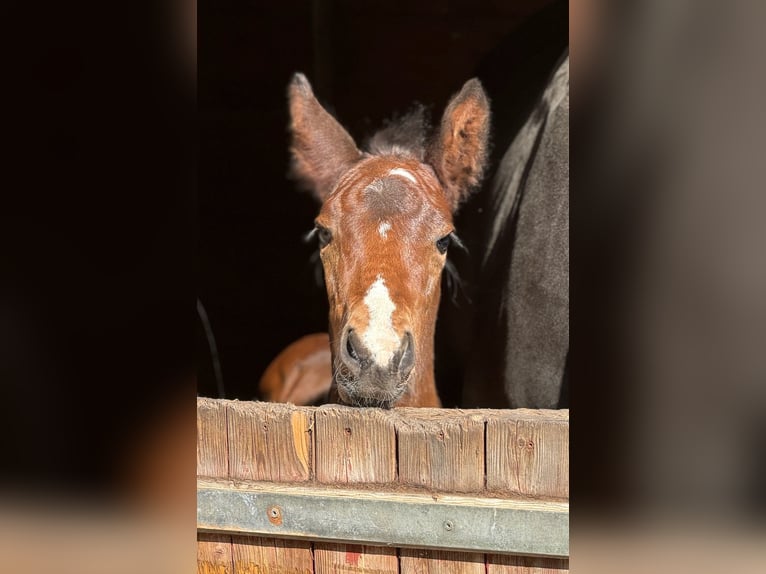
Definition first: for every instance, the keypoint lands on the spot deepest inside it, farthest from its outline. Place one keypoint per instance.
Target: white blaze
(380, 338)
(383, 229)
(403, 173)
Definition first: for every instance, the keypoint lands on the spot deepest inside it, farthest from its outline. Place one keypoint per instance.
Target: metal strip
(385, 519)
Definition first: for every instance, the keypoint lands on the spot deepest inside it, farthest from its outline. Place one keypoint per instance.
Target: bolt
(275, 515)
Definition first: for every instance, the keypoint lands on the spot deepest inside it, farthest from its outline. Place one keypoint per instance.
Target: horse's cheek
(330, 274)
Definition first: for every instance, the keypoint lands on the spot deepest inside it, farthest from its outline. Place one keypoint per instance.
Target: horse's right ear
(321, 149)
(458, 153)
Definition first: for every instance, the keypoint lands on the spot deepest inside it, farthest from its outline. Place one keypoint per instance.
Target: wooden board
(509, 453)
(270, 442)
(214, 554)
(441, 450)
(355, 446)
(528, 454)
(255, 555)
(499, 564)
(213, 550)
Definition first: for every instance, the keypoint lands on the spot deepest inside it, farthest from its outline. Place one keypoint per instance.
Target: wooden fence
(284, 489)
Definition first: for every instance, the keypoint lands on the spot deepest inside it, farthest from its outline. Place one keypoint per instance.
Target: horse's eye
(324, 235)
(443, 243)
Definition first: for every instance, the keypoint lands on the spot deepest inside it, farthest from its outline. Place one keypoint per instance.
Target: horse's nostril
(350, 347)
(407, 360)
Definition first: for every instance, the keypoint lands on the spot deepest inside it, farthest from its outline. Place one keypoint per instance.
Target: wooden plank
(441, 451)
(341, 558)
(416, 561)
(212, 443)
(505, 564)
(270, 442)
(528, 454)
(438, 451)
(256, 555)
(213, 554)
(354, 446)
(213, 550)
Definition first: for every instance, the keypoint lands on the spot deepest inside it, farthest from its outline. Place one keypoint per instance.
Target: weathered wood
(492, 457)
(442, 451)
(528, 453)
(213, 550)
(416, 561)
(214, 554)
(354, 446)
(505, 564)
(212, 439)
(341, 558)
(270, 442)
(256, 555)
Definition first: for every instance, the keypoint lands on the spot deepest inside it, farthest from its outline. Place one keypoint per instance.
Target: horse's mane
(406, 135)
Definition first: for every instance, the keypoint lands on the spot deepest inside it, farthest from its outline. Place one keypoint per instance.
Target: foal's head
(383, 233)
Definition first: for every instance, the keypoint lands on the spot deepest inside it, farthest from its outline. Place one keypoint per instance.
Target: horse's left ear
(458, 153)
(321, 149)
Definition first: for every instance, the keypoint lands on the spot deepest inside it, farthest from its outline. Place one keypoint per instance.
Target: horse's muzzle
(364, 382)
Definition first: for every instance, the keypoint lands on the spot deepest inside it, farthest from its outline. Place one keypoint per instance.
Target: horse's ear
(321, 149)
(458, 152)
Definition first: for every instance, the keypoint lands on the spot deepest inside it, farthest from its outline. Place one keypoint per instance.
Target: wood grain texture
(353, 558)
(214, 552)
(212, 443)
(442, 451)
(417, 561)
(255, 555)
(270, 442)
(528, 453)
(355, 446)
(483, 452)
(503, 564)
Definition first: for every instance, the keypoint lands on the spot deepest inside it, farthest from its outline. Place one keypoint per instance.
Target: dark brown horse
(383, 232)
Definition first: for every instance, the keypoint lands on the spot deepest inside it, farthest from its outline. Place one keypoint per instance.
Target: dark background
(365, 60)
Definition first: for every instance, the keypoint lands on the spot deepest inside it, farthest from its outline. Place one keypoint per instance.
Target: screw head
(275, 515)
(448, 525)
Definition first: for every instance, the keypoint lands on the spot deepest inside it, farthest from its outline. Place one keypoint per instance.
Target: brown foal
(383, 231)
